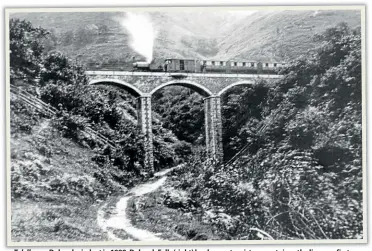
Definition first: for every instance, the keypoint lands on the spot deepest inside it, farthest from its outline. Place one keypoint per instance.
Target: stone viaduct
(211, 86)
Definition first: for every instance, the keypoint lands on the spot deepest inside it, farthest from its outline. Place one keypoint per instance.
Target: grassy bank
(150, 212)
(55, 196)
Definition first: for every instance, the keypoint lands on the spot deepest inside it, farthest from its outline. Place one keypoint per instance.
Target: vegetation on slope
(303, 177)
(52, 161)
(299, 178)
(182, 111)
(280, 35)
(55, 196)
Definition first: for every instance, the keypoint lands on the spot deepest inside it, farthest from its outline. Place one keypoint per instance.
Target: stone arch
(202, 90)
(244, 82)
(119, 83)
(144, 115)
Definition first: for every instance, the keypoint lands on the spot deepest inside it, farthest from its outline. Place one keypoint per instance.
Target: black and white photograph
(186, 125)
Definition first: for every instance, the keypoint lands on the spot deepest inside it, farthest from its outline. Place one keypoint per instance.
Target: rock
(200, 237)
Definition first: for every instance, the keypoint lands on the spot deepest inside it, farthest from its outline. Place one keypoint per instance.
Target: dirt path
(120, 220)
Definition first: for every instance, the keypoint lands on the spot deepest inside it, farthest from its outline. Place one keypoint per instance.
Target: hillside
(280, 35)
(100, 37)
(299, 175)
(54, 191)
(70, 178)
(298, 172)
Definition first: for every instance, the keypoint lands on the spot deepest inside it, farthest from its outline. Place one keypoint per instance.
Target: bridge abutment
(213, 128)
(145, 127)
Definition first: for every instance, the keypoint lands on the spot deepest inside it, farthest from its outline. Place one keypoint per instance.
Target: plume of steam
(142, 32)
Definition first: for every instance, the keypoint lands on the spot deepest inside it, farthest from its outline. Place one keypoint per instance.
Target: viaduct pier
(210, 85)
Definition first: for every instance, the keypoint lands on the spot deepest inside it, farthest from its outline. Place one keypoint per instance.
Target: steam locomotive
(209, 66)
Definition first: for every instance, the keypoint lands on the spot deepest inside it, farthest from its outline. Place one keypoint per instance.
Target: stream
(120, 220)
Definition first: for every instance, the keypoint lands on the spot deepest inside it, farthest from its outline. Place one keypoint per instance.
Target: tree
(303, 179)
(241, 111)
(311, 143)
(57, 67)
(63, 82)
(26, 50)
(182, 111)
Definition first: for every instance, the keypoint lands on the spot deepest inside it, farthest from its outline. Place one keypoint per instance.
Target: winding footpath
(120, 219)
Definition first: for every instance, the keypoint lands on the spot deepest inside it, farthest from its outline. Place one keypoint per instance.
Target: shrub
(183, 150)
(24, 176)
(176, 199)
(19, 186)
(59, 185)
(23, 117)
(70, 125)
(45, 150)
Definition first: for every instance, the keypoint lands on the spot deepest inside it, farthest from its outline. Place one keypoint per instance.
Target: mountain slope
(264, 35)
(100, 37)
(280, 35)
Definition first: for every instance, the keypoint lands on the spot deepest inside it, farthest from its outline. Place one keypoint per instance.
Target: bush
(23, 117)
(24, 177)
(45, 150)
(59, 185)
(177, 199)
(82, 186)
(183, 150)
(70, 125)
(19, 186)
(301, 174)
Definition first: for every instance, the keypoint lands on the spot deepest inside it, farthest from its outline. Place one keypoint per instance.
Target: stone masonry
(211, 86)
(145, 126)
